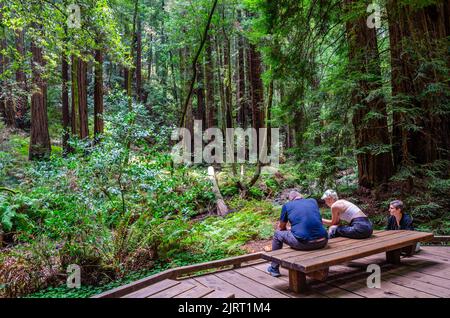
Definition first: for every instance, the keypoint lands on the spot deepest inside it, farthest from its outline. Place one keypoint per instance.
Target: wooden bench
(169, 288)
(315, 264)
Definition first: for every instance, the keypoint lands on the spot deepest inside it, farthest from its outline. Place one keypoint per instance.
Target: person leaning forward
(306, 233)
(358, 224)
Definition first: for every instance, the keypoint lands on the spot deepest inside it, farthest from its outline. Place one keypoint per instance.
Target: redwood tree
(420, 63)
(39, 136)
(98, 95)
(82, 98)
(21, 99)
(369, 115)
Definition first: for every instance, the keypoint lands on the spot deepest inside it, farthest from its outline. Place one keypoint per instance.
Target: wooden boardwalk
(425, 275)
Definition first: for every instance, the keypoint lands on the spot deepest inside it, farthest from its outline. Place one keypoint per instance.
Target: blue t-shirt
(305, 219)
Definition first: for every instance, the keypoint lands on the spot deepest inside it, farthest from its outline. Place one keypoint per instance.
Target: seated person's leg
(332, 231)
(277, 241)
(363, 228)
(279, 237)
(347, 231)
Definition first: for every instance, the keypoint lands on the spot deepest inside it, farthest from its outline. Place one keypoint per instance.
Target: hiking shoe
(275, 272)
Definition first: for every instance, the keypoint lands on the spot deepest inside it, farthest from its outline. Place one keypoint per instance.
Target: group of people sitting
(307, 230)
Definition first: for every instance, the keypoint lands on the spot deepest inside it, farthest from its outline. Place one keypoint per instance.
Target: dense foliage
(362, 110)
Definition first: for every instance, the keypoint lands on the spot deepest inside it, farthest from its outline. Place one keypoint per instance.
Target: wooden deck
(425, 275)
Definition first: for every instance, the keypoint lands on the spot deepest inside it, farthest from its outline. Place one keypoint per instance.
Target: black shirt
(405, 223)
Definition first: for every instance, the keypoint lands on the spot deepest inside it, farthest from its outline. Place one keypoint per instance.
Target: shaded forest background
(87, 112)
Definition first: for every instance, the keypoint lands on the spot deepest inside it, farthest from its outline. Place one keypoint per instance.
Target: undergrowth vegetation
(122, 211)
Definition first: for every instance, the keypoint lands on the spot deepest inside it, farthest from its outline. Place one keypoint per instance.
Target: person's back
(304, 216)
(307, 232)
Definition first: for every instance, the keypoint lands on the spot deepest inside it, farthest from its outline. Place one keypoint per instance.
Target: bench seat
(341, 250)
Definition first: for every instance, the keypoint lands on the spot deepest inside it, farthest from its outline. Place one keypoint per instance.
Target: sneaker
(275, 272)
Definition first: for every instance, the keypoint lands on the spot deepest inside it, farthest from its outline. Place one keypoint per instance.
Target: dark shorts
(359, 228)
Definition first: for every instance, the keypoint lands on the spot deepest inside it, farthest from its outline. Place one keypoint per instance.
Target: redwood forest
(119, 124)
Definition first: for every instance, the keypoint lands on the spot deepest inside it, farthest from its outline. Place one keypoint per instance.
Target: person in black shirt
(401, 221)
(397, 219)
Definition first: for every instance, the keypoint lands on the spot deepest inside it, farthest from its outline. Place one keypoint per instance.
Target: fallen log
(222, 208)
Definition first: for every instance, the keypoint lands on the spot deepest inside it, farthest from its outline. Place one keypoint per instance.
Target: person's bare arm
(335, 209)
(282, 226)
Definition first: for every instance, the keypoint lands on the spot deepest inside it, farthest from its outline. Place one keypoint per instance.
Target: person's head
(330, 196)
(294, 195)
(396, 207)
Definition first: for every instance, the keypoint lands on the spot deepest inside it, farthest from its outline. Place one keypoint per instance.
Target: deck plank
(219, 294)
(316, 291)
(152, 289)
(431, 256)
(174, 291)
(214, 282)
(257, 289)
(268, 280)
(198, 291)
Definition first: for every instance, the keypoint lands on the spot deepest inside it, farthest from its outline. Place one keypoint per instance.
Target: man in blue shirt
(307, 231)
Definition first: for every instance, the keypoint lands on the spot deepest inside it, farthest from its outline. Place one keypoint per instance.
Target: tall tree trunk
(126, 71)
(220, 76)
(188, 115)
(257, 91)
(209, 82)
(150, 58)
(418, 44)
(227, 66)
(98, 95)
(139, 60)
(21, 80)
(132, 49)
(374, 167)
(39, 136)
(82, 98)
(75, 117)
(2, 67)
(200, 94)
(174, 78)
(8, 100)
(195, 61)
(65, 103)
(241, 100)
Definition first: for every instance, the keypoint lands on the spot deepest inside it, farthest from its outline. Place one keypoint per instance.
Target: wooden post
(409, 250)
(297, 281)
(320, 275)
(393, 257)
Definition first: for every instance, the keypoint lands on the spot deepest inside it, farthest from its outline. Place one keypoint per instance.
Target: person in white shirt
(358, 224)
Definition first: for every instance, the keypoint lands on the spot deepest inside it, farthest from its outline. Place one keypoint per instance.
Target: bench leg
(320, 275)
(393, 257)
(409, 250)
(297, 281)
